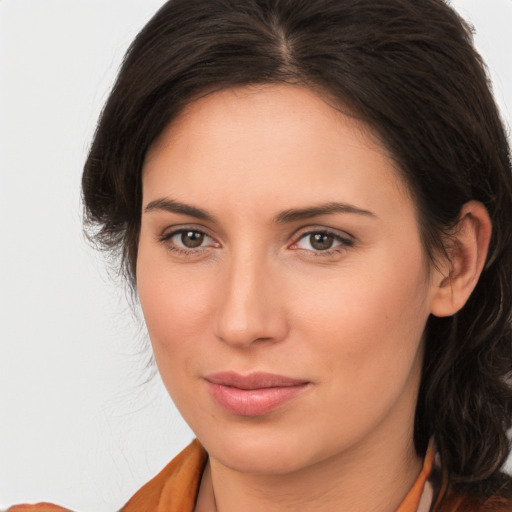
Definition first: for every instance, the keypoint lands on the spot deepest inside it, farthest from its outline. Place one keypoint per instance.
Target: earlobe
(458, 274)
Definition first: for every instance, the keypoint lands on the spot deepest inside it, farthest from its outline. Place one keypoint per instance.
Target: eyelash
(343, 242)
(166, 238)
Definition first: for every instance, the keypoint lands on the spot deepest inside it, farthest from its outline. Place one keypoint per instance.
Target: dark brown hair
(408, 69)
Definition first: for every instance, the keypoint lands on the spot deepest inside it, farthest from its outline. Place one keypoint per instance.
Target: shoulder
(174, 488)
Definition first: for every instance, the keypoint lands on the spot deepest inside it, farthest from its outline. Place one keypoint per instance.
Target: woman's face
(282, 279)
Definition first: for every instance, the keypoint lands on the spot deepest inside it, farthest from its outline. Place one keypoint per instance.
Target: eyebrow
(293, 215)
(286, 216)
(172, 206)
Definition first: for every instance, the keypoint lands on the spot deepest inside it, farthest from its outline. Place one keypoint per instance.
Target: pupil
(192, 239)
(321, 241)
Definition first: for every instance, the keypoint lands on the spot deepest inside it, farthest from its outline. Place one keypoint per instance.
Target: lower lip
(253, 402)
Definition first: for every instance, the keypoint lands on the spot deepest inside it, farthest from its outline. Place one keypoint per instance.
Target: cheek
(368, 326)
(175, 309)
(172, 307)
(364, 334)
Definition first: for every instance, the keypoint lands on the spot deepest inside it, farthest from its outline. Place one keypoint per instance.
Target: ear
(459, 271)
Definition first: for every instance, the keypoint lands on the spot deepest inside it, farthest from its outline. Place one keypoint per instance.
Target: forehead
(268, 140)
(220, 109)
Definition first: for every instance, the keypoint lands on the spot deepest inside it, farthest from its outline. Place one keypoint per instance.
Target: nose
(249, 307)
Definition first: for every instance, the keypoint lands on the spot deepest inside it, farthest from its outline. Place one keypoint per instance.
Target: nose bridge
(247, 309)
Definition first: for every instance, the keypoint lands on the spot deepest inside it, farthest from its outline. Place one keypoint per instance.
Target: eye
(318, 241)
(189, 239)
(322, 241)
(186, 240)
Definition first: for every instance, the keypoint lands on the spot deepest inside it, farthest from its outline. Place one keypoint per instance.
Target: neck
(360, 481)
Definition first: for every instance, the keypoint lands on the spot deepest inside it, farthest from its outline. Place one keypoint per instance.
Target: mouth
(255, 394)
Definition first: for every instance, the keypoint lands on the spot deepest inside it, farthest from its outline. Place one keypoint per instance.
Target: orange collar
(419, 497)
(175, 488)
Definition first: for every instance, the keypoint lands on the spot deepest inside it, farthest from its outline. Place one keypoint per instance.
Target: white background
(79, 425)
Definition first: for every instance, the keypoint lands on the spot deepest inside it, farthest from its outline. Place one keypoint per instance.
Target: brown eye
(192, 239)
(321, 241)
(188, 241)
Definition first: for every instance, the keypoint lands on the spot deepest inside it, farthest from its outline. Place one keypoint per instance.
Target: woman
(312, 201)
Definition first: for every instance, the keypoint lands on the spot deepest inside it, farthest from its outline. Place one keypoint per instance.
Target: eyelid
(169, 231)
(308, 230)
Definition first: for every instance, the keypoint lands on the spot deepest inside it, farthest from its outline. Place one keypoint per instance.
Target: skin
(257, 294)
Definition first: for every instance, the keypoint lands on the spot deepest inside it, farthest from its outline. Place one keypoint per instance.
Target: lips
(255, 394)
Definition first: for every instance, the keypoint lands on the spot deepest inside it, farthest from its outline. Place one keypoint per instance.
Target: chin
(268, 451)
(261, 458)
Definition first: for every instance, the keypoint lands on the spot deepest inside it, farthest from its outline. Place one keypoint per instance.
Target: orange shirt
(175, 488)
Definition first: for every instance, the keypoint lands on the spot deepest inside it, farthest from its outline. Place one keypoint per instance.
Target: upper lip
(257, 380)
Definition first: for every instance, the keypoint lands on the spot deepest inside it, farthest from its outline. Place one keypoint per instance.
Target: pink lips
(254, 394)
